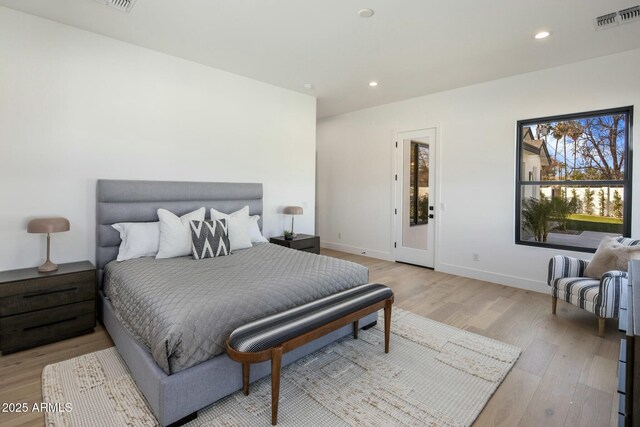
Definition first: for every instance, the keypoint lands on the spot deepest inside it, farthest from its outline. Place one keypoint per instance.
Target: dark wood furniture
(39, 308)
(275, 353)
(302, 242)
(629, 360)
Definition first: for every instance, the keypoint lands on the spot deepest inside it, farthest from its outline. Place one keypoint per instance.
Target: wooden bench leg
(355, 329)
(245, 378)
(387, 324)
(276, 364)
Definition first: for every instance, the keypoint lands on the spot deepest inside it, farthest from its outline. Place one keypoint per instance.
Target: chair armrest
(614, 274)
(609, 295)
(565, 266)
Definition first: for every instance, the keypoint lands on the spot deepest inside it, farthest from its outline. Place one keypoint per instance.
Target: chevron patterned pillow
(209, 238)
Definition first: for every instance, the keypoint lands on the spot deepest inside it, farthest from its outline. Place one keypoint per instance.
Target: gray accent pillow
(209, 239)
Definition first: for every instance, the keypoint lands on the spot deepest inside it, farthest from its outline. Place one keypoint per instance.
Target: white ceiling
(411, 47)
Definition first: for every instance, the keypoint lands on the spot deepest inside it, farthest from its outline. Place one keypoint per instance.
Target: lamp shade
(48, 225)
(292, 210)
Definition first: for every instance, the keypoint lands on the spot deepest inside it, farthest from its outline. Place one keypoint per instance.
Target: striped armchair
(600, 297)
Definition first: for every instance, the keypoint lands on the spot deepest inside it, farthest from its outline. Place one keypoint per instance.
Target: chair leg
(355, 329)
(245, 378)
(554, 304)
(276, 364)
(601, 326)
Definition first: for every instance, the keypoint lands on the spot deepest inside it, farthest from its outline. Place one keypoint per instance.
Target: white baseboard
(487, 276)
(355, 250)
(490, 276)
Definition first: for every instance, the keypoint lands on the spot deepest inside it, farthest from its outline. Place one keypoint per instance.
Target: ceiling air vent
(606, 21)
(123, 5)
(614, 19)
(629, 15)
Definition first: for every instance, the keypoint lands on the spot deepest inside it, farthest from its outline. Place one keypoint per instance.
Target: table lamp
(293, 211)
(48, 225)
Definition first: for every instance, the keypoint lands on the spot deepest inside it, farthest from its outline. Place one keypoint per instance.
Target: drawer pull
(50, 323)
(57, 291)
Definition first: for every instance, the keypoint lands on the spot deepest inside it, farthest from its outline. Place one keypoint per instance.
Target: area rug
(434, 375)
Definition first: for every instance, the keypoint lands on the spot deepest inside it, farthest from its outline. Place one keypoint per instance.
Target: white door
(415, 197)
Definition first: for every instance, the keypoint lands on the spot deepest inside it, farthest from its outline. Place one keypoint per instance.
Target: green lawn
(594, 218)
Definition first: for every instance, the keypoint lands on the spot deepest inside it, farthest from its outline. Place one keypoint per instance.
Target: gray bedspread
(183, 309)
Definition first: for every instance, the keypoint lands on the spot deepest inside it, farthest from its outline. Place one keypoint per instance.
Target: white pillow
(175, 236)
(238, 222)
(254, 230)
(139, 239)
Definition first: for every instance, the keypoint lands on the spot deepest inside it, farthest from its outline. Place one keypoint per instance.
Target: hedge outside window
(573, 184)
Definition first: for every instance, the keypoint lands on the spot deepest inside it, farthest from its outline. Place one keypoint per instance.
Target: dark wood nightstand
(39, 308)
(302, 242)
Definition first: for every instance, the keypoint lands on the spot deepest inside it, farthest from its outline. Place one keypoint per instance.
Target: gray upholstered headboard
(138, 201)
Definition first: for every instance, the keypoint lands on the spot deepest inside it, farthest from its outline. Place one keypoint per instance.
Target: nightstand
(302, 242)
(39, 308)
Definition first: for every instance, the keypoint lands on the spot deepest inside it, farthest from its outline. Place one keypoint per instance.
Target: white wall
(476, 165)
(76, 107)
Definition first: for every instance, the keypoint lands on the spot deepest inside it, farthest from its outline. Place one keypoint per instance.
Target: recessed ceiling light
(542, 35)
(373, 84)
(365, 13)
(308, 86)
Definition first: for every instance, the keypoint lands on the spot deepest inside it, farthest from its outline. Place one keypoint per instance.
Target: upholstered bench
(274, 335)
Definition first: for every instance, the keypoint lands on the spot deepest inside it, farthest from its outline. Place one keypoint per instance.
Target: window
(419, 184)
(573, 183)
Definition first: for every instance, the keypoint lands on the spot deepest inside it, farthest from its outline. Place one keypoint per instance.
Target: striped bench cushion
(273, 330)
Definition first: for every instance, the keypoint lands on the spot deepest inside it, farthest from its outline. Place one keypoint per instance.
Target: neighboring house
(535, 157)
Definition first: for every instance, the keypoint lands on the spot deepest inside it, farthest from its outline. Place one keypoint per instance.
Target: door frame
(395, 141)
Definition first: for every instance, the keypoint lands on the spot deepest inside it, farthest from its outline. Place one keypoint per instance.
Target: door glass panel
(416, 191)
(419, 184)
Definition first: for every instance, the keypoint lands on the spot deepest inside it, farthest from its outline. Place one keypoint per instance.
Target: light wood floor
(566, 375)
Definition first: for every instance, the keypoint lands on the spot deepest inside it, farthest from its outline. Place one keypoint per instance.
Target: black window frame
(628, 175)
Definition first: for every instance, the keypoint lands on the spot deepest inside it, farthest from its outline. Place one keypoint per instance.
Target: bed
(181, 372)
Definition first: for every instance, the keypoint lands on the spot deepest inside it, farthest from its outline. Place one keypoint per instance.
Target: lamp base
(48, 267)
